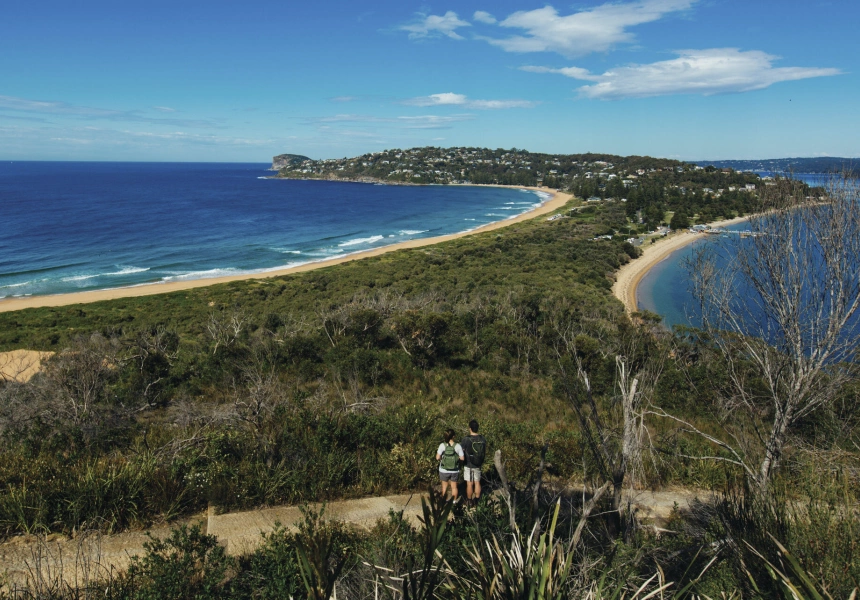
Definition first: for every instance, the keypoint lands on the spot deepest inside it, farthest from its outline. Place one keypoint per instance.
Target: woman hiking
(449, 455)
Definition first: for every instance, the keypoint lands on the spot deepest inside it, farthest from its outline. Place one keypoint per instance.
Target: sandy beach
(557, 200)
(628, 277)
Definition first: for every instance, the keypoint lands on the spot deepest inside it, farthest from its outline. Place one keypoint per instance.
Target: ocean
(665, 289)
(69, 227)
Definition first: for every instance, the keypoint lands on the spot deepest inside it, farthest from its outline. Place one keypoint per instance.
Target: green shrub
(188, 565)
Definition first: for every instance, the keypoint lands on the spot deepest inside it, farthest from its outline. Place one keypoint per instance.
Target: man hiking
(475, 449)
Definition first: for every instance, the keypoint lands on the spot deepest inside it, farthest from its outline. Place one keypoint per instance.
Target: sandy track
(628, 277)
(558, 200)
(240, 533)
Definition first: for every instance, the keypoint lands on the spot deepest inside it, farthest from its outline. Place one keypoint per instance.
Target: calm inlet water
(67, 227)
(665, 289)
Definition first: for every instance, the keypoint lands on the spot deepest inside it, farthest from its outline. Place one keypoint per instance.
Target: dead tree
(152, 352)
(260, 395)
(781, 304)
(509, 493)
(77, 378)
(225, 329)
(613, 435)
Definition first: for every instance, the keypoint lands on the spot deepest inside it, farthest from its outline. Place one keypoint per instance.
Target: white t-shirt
(457, 448)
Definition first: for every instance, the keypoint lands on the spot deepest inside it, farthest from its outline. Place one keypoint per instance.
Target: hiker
(475, 448)
(449, 456)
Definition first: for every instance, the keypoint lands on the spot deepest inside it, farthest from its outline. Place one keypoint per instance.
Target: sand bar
(628, 277)
(557, 200)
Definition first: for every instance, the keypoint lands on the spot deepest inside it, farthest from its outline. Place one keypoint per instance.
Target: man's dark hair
(473, 425)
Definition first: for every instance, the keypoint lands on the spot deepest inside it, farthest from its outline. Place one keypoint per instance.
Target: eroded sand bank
(21, 365)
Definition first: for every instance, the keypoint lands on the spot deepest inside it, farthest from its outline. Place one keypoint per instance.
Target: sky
(236, 81)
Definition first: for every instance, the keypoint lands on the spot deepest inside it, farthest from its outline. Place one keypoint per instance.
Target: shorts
(446, 476)
(472, 474)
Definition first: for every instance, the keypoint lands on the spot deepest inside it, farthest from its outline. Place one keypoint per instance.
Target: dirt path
(92, 556)
(241, 532)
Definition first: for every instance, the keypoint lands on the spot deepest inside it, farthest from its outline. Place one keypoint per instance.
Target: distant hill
(821, 164)
(431, 165)
(286, 160)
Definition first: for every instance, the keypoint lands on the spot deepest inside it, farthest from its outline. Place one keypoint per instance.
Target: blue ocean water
(67, 227)
(665, 289)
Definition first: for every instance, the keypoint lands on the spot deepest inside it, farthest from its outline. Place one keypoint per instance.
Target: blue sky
(231, 81)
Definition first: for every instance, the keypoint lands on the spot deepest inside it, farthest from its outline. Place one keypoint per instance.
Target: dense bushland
(328, 384)
(338, 382)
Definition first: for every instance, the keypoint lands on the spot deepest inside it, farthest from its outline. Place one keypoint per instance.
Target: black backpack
(476, 450)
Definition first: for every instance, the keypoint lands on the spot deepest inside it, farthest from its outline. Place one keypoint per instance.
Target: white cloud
(497, 104)
(406, 122)
(436, 25)
(444, 99)
(595, 30)
(165, 109)
(194, 138)
(484, 17)
(706, 72)
(432, 121)
(91, 113)
(107, 138)
(451, 99)
(20, 118)
(344, 99)
(572, 72)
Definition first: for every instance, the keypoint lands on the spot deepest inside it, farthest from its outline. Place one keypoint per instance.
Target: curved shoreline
(629, 276)
(557, 200)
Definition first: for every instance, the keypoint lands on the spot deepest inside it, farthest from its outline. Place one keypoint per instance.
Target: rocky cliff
(286, 160)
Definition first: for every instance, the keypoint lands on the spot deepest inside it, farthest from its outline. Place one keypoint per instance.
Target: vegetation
(647, 187)
(338, 382)
(782, 306)
(721, 550)
(333, 383)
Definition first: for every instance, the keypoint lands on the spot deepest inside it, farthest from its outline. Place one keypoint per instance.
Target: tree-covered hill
(818, 164)
(649, 187)
(469, 165)
(282, 161)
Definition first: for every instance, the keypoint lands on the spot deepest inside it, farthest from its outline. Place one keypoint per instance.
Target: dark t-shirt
(466, 444)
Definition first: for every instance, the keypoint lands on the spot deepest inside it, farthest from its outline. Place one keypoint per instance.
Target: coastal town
(647, 193)
(467, 165)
